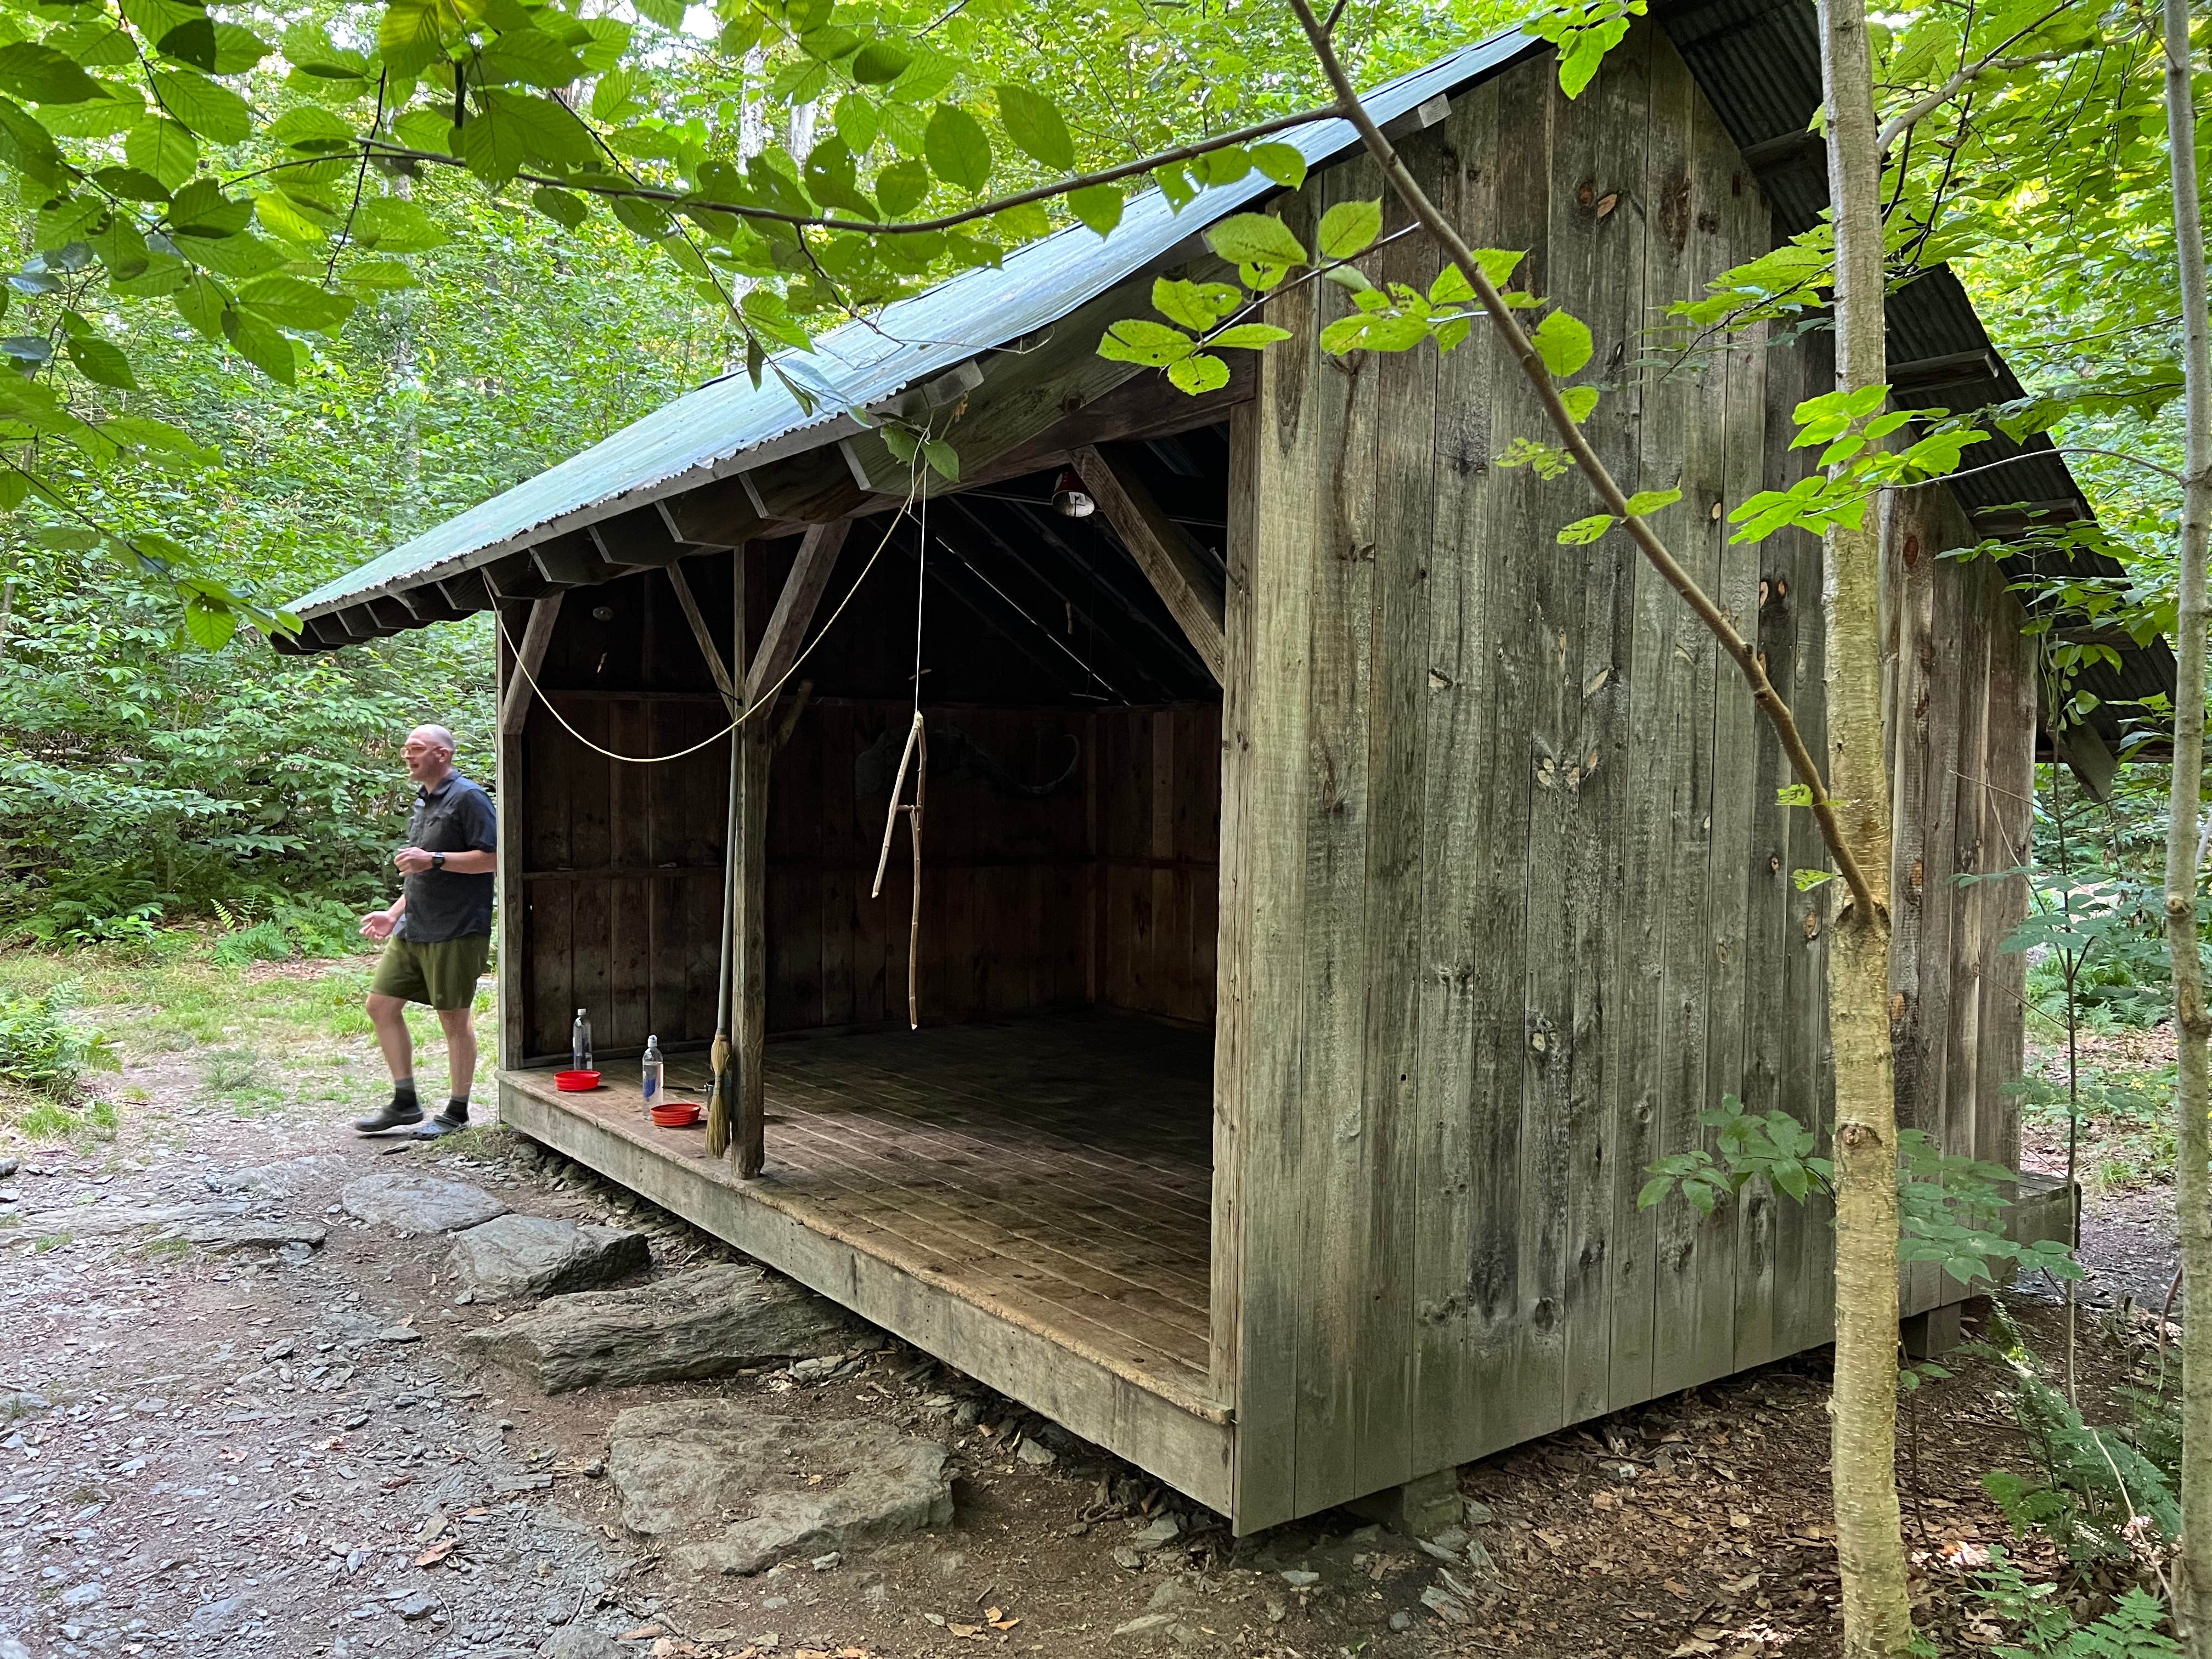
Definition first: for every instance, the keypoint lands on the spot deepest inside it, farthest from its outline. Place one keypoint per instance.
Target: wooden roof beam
(794, 608)
(723, 514)
(1164, 551)
(705, 637)
(641, 537)
(530, 657)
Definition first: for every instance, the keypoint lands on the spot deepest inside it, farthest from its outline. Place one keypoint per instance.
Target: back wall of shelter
(1100, 891)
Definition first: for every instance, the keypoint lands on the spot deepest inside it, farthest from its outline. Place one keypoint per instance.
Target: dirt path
(283, 1451)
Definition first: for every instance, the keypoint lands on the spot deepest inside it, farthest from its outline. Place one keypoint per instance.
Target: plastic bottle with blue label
(652, 1080)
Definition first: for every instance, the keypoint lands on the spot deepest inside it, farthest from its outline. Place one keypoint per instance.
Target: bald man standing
(438, 931)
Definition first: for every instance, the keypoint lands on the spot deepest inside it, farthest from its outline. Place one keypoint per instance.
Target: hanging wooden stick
(917, 752)
(914, 838)
(898, 787)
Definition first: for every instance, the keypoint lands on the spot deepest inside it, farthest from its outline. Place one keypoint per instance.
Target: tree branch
(1524, 352)
(1994, 62)
(683, 202)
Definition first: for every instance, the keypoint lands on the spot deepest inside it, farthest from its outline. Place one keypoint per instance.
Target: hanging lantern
(1069, 498)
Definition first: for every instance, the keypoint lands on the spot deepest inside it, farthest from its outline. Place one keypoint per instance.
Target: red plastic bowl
(677, 1115)
(575, 1083)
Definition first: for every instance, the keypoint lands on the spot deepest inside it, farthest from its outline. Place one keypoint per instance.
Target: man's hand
(378, 924)
(411, 860)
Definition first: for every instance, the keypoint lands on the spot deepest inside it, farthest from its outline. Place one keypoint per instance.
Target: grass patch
(47, 1241)
(479, 1140)
(46, 1122)
(165, 1249)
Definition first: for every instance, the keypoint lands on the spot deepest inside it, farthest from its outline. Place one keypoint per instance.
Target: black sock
(457, 1108)
(403, 1093)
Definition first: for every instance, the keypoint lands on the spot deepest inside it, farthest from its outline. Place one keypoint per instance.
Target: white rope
(766, 699)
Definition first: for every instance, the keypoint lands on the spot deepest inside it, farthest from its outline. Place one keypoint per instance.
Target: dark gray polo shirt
(443, 904)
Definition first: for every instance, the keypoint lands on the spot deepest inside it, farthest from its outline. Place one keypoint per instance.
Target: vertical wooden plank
(1454, 814)
(1286, 433)
(749, 966)
(1803, 1299)
(831, 729)
(1232, 1036)
(508, 782)
(2009, 780)
(1969, 939)
(1334, 1175)
(1405, 462)
(1638, 1043)
(590, 848)
(630, 900)
(1606, 249)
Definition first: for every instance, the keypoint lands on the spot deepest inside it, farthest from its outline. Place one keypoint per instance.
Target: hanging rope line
(766, 699)
(916, 750)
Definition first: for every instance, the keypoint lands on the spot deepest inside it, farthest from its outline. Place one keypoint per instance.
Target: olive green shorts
(443, 975)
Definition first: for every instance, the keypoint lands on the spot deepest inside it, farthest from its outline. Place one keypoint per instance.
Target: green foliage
(2105, 1494)
(1854, 466)
(2044, 1627)
(1949, 1208)
(41, 1049)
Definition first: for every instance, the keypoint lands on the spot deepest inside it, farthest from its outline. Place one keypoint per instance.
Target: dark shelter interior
(1061, 1079)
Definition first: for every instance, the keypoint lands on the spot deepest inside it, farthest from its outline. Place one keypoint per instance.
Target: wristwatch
(437, 861)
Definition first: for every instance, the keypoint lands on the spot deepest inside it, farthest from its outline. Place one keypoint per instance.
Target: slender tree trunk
(2192, 1185)
(1869, 1541)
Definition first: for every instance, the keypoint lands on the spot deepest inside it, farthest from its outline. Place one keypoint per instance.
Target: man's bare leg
(389, 1016)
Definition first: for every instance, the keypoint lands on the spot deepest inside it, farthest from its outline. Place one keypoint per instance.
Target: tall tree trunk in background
(2192, 1185)
(1869, 1540)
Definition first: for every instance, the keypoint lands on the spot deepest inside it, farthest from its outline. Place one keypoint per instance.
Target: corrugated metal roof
(701, 435)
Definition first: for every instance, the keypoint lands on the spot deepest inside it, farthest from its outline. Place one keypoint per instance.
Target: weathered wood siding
(1513, 901)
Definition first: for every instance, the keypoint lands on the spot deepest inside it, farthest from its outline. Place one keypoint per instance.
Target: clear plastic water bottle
(580, 1042)
(651, 1079)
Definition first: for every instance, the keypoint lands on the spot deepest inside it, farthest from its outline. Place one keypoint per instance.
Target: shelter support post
(1415, 1509)
(537, 634)
(707, 649)
(507, 785)
(1162, 552)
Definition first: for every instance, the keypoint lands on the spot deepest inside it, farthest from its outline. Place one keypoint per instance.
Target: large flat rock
(513, 1255)
(414, 1203)
(279, 1180)
(706, 1323)
(751, 1488)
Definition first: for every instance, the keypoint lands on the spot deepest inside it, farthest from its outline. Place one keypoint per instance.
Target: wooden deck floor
(1053, 1172)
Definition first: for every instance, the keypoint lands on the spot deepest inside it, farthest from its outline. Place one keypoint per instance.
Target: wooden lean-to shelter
(1335, 893)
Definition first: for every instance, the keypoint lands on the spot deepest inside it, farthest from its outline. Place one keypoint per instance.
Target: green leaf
(263, 344)
(901, 187)
(45, 76)
(1348, 228)
(1654, 1191)
(201, 302)
(207, 108)
(294, 302)
(1583, 531)
(409, 38)
(1578, 401)
(1285, 164)
(1098, 206)
(1257, 239)
(192, 41)
(958, 149)
(392, 225)
(378, 274)
(1644, 502)
(1451, 287)
(564, 207)
(1807, 880)
(1794, 794)
(103, 363)
(857, 123)
(942, 459)
(1033, 121)
(1154, 345)
(1247, 337)
(430, 130)
(604, 40)
(305, 127)
(531, 57)
(880, 62)
(209, 622)
(1563, 342)
(201, 209)
(1195, 306)
(1198, 373)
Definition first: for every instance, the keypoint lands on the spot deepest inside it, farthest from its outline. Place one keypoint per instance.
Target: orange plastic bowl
(575, 1083)
(677, 1115)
